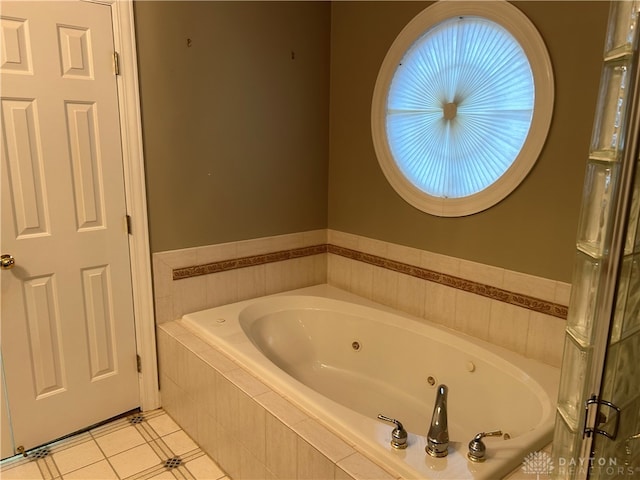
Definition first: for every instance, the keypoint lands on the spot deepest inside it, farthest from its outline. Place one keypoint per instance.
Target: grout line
(183, 469)
(161, 449)
(45, 471)
(146, 431)
(150, 472)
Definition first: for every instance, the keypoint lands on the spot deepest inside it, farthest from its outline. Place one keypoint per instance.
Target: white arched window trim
(515, 22)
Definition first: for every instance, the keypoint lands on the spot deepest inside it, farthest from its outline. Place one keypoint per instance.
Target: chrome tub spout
(438, 436)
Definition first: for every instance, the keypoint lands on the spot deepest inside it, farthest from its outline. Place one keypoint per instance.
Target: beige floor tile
(98, 471)
(119, 450)
(26, 471)
(203, 468)
(120, 440)
(164, 475)
(78, 456)
(134, 461)
(179, 442)
(163, 425)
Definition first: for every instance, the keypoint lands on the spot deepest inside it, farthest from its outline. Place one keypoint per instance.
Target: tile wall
(230, 283)
(523, 313)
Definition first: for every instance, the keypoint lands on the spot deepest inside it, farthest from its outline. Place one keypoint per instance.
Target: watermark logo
(538, 463)
(541, 463)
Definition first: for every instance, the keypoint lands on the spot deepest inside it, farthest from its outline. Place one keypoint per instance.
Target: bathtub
(344, 360)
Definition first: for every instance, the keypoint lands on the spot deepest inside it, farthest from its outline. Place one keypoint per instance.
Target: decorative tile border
(494, 293)
(251, 261)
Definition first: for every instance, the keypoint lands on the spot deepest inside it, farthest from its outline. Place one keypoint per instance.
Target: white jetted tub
(344, 360)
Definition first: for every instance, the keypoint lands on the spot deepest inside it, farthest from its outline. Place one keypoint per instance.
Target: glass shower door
(619, 457)
(598, 411)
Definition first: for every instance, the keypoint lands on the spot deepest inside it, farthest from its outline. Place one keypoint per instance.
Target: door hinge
(128, 220)
(116, 63)
(599, 418)
(139, 363)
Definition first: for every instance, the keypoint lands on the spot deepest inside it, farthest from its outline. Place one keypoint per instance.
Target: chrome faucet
(438, 436)
(398, 435)
(477, 449)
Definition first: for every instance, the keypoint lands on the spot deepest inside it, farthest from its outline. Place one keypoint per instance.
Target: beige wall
(236, 132)
(534, 229)
(235, 125)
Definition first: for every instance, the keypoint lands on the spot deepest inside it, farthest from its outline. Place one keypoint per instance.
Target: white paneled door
(68, 341)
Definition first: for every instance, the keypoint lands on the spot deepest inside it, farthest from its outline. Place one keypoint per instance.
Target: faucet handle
(477, 449)
(398, 435)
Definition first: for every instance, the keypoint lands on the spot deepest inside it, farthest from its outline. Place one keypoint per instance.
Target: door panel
(68, 341)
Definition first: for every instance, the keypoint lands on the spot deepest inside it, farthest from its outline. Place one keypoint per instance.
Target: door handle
(7, 262)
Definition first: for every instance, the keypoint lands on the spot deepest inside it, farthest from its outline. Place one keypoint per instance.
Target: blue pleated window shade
(459, 107)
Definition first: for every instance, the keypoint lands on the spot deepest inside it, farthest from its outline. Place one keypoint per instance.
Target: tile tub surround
(523, 313)
(251, 431)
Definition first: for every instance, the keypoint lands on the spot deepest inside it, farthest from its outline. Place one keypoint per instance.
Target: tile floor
(148, 445)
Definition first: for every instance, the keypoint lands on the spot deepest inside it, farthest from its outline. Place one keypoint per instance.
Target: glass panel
(609, 374)
(631, 317)
(620, 383)
(621, 300)
(627, 372)
(564, 450)
(632, 242)
(571, 397)
(586, 274)
(627, 313)
(623, 25)
(595, 212)
(608, 128)
(621, 375)
(620, 457)
(630, 442)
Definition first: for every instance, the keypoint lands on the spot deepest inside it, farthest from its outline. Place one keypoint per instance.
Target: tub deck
(230, 388)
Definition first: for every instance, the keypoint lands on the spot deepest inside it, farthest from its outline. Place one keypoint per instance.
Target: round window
(462, 106)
